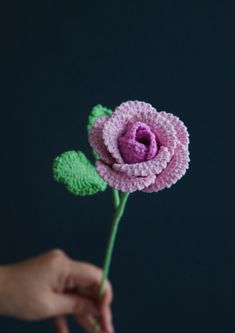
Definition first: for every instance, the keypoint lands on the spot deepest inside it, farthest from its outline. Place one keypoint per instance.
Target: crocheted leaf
(97, 112)
(75, 171)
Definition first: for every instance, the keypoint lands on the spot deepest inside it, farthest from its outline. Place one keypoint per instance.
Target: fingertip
(108, 295)
(109, 291)
(106, 320)
(61, 325)
(87, 322)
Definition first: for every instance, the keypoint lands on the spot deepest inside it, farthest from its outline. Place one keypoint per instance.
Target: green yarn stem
(116, 198)
(109, 251)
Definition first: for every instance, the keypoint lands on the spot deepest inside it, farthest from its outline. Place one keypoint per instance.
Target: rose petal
(165, 132)
(122, 182)
(154, 166)
(173, 172)
(180, 128)
(116, 124)
(133, 111)
(97, 142)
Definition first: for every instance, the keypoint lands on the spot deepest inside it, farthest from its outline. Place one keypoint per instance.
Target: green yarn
(75, 171)
(110, 246)
(116, 198)
(95, 154)
(97, 112)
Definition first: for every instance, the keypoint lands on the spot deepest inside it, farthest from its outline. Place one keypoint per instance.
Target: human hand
(53, 285)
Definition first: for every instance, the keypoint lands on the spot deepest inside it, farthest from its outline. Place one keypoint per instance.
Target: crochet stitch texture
(140, 148)
(77, 173)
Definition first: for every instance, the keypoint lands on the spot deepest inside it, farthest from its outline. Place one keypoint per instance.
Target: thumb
(72, 303)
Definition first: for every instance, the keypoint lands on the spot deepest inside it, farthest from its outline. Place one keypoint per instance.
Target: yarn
(80, 177)
(140, 148)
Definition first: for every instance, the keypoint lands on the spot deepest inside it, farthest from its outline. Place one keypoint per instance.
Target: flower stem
(109, 250)
(116, 198)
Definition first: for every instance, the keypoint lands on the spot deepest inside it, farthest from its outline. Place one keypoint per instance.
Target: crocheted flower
(139, 148)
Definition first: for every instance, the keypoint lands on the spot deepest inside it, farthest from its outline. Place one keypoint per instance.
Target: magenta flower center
(138, 143)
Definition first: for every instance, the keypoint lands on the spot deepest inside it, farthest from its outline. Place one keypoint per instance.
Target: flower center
(143, 136)
(138, 143)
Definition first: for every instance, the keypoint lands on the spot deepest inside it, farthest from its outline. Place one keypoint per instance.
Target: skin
(53, 285)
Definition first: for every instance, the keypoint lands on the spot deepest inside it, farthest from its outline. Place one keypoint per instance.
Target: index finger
(86, 278)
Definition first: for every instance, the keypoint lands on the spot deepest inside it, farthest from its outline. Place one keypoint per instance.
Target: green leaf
(97, 112)
(75, 171)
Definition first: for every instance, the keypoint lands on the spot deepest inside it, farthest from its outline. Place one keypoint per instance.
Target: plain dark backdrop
(173, 266)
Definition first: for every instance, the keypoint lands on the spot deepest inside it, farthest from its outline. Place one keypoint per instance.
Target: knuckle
(57, 255)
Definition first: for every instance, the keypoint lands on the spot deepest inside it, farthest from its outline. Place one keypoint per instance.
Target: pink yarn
(174, 171)
(138, 144)
(140, 148)
(154, 166)
(121, 181)
(97, 142)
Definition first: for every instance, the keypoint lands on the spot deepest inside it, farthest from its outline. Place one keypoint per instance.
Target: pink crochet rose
(140, 148)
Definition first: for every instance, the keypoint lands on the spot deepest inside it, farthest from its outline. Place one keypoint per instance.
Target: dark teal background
(173, 266)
